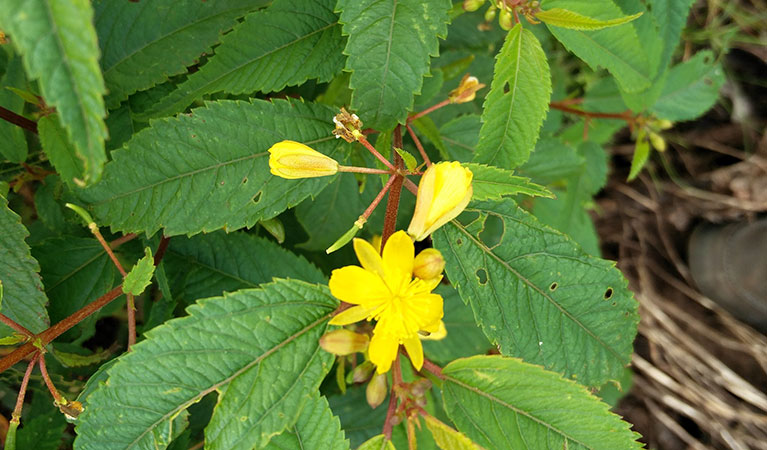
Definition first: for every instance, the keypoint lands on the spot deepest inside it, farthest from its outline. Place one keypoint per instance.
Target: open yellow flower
(292, 160)
(384, 289)
(443, 193)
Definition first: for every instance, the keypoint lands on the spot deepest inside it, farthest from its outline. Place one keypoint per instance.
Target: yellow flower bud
(472, 5)
(376, 390)
(443, 193)
(506, 20)
(657, 142)
(362, 372)
(292, 160)
(466, 90)
(344, 342)
(429, 264)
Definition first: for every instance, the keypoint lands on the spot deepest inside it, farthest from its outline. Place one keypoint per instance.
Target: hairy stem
(392, 205)
(16, 416)
(418, 145)
(11, 323)
(563, 106)
(57, 397)
(428, 110)
(396, 373)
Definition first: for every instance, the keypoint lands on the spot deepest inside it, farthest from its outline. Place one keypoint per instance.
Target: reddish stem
(418, 145)
(48, 382)
(16, 416)
(562, 106)
(362, 140)
(161, 250)
(11, 323)
(428, 110)
(379, 197)
(18, 120)
(392, 205)
(396, 373)
(433, 368)
(362, 170)
(131, 306)
(95, 231)
(121, 240)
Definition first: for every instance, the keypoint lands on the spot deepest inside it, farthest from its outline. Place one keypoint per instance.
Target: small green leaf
(389, 48)
(257, 347)
(517, 102)
(503, 402)
(410, 161)
(377, 443)
(492, 183)
(344, 239)
(641, 155)
(13, 339)
(448, 438)
(572, 20)
(60, 49)
(60, 151)
(27, 96)
(76, 360)
(274, 227)
(140, 275)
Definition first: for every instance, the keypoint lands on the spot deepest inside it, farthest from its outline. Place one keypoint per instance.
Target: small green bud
(657, 142)
(472, 5)
(361, 373)
(506, 20)
(343, 342)
(376, 390)
(428, 264)
(490, 13)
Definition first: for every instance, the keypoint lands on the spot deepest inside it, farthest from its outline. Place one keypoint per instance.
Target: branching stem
(11, 323)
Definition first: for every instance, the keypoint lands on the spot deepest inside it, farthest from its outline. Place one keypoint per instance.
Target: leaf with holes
(538, 295)
(23, 297)
(284, 45)
(257, 347)
(389, 48)
(59, 47)
(503, 402)
(517, 102)
(143, 43)
(209, 169)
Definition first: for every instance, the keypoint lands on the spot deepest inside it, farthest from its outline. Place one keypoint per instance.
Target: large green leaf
(460, 136)
(618, 49)
(143, 43)
(671, 17)
(14, 147)
(257, 347)
(60, 151)
(691, 89)
(283, 45)
(209, 169)
(211, 264)
(390, 44)
(316, 427)
(517, 102)
(23, 298)
(538, 295)
(503, 402)
(491, 182)
(58, 43)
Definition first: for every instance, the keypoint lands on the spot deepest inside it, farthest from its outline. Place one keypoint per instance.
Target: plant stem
(95, 231)
(57, 397)
(131, 307)
(362, 170)
(433, 368)
(418, 145)
(379, 197)
(11, 323)
(396, 374)
(121, 240)
(363, 140)
(16, 416)
(392, 205)
(428, 110)
(562, 106)
(18, 120)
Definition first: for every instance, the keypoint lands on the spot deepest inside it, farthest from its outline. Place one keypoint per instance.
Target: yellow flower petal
(424, 311)
(382, 351)
(414, 351)
(351, 315)
(443, 193)
(435, 333)
(357, 286)
(399, 254)
(292, 160)
(368, 257)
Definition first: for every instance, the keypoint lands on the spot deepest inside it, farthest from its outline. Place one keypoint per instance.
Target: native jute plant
(334, 223)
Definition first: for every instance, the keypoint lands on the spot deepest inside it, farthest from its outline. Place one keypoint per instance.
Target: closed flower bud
(506, 20)
(292, 160)
(429, 264)
(490, 13)
(657, 142)
(472, 5)
(376, 390)
(344, 342)
(466, 90)
(443, 193)
(362, 372)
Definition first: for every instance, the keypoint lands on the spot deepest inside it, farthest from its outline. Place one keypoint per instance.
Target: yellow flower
(443, 193)
(384, 289)
(466, 90)
(292, 160)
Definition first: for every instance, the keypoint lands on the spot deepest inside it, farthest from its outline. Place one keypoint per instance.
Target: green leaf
(503, 402)
(211, 264)
(389, 47)
(257, 347)
(60, 151)
(566, 214)
(14, 147)
(140, 275)
(428, 128)
(619, 50)
(209, 169)
(377, 443)
(552, 161)
(671, 17)
(641, 155)
(23, 298)
(77, 360)
(460, 136)
(42, 431)
(141, 45)
(691, 89)
(537, 295)
(572, 20)
(58, 43)
(283, 45)
(409, 160)
(517, 102)
(464, 338)
(316, 427)
(447, 437)
(492, 183)
(76, 271)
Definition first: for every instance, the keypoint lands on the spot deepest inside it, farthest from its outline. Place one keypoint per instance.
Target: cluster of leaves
(157, 116)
